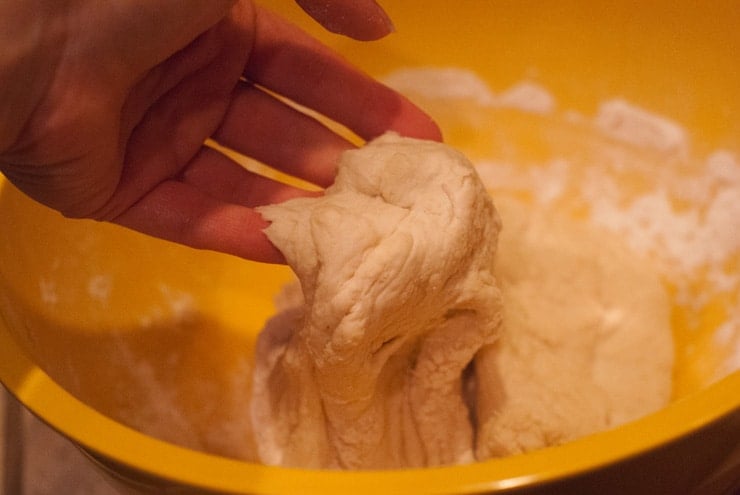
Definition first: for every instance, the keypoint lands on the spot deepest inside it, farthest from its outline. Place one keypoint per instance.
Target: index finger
(291, 63)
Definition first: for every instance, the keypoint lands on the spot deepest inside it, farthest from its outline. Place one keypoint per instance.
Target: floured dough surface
(395, 262)
(586, 344)
(393, 352)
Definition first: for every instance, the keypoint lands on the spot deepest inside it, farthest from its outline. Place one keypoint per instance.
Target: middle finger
(265, 128)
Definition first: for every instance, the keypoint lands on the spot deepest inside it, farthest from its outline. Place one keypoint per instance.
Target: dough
(393, 352)
(395, 263)
(587, 342)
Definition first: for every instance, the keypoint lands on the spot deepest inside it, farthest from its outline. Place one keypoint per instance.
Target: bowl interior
(159, 337)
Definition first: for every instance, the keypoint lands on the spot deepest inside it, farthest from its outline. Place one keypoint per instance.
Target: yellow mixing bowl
(104, 331)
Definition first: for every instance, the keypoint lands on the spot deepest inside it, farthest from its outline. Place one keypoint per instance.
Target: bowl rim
(136, 452)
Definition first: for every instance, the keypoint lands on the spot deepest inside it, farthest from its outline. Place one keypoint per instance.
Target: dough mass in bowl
(414, 342)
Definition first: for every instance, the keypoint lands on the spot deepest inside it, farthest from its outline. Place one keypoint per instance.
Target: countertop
(35, 460)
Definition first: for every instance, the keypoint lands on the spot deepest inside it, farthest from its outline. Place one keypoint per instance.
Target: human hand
(106, 106)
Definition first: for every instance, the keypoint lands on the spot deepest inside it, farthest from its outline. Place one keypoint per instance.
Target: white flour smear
(679, 209)
(452, 83)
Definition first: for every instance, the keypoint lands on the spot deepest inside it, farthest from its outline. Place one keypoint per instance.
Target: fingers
(261, 126)
(289, 62)
(210, 206)
(362, 20)
(221, 178)
(170, 131)
(191, 59)
(208, 203)
(166, 25)
(180, 212)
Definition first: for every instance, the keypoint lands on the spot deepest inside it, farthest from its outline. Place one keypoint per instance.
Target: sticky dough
(393, 352)
(395, 262)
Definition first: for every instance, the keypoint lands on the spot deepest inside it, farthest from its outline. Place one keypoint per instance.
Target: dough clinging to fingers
(395, 264)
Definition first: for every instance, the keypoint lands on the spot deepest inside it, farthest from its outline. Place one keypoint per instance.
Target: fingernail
(386, 20)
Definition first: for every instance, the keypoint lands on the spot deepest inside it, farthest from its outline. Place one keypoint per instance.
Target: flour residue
(48, 291)
(633, 125)
(175, 305)
(680, 209)
(449, 83)
(528, 97)
(452, 83)
(99, 287)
